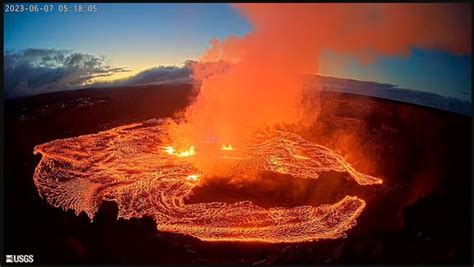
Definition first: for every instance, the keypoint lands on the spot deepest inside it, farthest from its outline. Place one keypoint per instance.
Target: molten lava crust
(132, 166)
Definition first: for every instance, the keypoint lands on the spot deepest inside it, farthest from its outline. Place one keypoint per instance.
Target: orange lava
(133, 167)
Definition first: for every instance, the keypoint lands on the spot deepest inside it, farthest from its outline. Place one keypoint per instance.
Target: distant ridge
(392, 92)
(330, 84)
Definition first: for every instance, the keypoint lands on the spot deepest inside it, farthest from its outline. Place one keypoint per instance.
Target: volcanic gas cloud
(264, 85)
(230, 128)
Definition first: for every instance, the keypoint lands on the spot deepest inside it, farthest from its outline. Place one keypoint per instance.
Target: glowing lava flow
(228, 147)
(131, 165)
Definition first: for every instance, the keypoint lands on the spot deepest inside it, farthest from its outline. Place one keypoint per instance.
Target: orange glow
(300, 157)
(230, 157)
(169, 150)
(193, 177)
(187, 153)
(228, 147)
(126, 169)
(263, 86)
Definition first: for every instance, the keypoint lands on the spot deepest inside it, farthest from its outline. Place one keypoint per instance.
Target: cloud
(190, 72)
(155, 75)
(35, 71)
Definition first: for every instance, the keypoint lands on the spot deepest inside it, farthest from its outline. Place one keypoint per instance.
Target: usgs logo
(19, 259)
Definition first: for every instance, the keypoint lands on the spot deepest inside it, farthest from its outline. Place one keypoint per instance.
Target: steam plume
(264, 88)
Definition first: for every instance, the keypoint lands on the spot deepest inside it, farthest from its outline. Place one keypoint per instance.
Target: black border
(2, 126)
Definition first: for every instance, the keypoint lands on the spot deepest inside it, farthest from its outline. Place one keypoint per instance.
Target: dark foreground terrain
(421, 214)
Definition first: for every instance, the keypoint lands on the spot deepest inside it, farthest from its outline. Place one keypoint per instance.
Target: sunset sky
(137, 37)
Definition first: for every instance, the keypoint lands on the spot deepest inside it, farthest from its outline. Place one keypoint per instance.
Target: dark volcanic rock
(421, 214)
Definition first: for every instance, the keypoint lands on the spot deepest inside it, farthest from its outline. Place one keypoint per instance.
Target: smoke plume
(264, 85)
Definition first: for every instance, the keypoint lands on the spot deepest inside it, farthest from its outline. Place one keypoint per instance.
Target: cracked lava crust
(133, 166)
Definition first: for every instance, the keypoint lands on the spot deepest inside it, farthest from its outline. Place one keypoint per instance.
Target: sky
(133, 38)
(137, 36)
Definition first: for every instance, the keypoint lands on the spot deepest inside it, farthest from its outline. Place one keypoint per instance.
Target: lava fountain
(146, 177)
